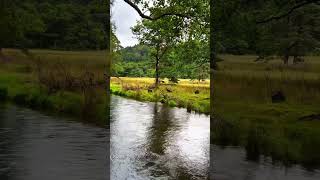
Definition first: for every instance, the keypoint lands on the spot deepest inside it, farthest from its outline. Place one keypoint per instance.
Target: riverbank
(56, 81)
(192, 95)
(247, 117)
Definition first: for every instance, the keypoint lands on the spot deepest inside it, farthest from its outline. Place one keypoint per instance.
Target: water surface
(152, 141)
(34, 146)
(231, 163)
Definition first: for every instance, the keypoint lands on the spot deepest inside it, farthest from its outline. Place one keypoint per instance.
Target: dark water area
(231, 163)
(152, 141)
(34, 146)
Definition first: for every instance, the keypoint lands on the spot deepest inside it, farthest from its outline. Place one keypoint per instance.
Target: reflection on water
(255, 151)
(230, 163)
(151, 141)
(37, 147)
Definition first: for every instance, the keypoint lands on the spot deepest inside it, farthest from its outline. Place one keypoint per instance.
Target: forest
(53, 24)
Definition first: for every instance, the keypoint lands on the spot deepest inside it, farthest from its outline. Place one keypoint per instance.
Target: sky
(124, 17)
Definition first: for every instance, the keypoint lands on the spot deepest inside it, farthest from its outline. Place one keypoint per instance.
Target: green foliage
(18, 20)
(237, 30)
(3, 93)
(172, 103)
(135, 54)
(75, 24)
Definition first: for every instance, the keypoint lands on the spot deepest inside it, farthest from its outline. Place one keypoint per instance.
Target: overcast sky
(124, 17)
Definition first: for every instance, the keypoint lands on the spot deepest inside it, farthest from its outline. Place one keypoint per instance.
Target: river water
(230, 163)
(152, 141)
(34, 146)
(148, 141)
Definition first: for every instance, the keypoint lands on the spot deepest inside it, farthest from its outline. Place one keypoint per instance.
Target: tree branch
(134, 6)
(290, 11)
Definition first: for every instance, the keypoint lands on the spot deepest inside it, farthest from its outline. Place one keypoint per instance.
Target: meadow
(190, 94)
(70, 83)
(245, 115)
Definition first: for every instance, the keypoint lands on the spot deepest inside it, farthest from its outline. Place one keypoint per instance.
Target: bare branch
(290, 11)
(134, 6)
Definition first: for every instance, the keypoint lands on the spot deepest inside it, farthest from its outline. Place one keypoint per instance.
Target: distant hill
(135, 53)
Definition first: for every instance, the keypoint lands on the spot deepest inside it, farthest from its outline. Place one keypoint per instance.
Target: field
(189, 94)
(243, 82)
(70, 83)
(245, 115)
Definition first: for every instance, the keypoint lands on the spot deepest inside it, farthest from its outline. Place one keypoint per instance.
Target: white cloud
(124, 17)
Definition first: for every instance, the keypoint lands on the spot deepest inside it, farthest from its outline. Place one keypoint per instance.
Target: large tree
(168, 23)
(294, 35)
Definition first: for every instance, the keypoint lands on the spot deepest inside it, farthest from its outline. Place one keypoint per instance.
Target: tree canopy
(54, 24)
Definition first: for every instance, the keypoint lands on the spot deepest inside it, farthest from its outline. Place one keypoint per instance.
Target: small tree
(160, 36)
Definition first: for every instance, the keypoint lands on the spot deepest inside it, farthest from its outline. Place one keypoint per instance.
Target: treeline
(53, 24)
(133, 61)
(137, 61)
(267, 28)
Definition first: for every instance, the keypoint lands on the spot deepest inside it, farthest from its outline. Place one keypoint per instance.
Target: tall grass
(256, 81)
(245, 115)
(64, 82)
(182, 94)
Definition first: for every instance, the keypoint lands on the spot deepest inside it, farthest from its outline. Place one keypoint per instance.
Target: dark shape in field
(150, 90)
(3, 94)
(278, 97)
(311, 117)
(168, 90)
(174, 80)
(197, 92)
(297, 59)
(163, 82)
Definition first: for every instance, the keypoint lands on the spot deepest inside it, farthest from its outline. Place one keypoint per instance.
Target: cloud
(124, 17)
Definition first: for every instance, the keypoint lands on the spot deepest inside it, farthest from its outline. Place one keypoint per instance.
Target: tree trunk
(2, 57)
(286, 59)
(157, 73)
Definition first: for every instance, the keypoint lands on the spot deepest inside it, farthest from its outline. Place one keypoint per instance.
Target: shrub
(20, 98)
(3, 93)
(172, 103)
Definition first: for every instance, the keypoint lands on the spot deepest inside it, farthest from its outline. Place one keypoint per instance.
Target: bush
(20, 98)
(3, 93)
(172, 103)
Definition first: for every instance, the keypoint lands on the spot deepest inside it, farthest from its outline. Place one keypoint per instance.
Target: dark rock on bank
(278, 97)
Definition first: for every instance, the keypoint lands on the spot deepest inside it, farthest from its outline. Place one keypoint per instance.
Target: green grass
(19, 83)
(174, 95)
(246, 116)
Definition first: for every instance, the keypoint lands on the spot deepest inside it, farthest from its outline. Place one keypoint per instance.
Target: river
(148, 141)
(152, 141)
(230, 163)
(34, 146)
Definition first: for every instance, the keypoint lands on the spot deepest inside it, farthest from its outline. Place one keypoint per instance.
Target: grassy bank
(69, 83)
(247, 117)
(192, 95)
